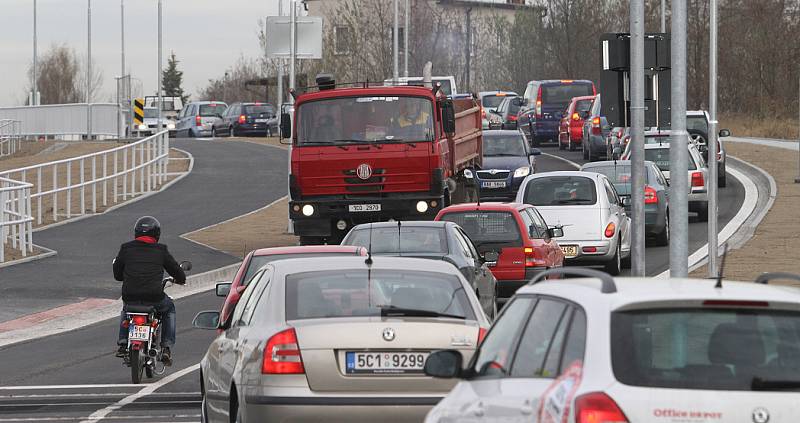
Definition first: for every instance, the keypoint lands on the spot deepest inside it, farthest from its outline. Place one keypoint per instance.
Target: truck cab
(365, 154)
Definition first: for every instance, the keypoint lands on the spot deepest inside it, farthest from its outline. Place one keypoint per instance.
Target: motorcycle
(144, 337)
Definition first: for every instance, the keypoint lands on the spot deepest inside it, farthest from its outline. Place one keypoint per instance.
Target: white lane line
(95, 395)
(749, 204)
(147, 390)
(140, 418)
(570, 162)
(56, 387)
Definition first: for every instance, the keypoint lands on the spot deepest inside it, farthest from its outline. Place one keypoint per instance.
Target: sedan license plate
(569, 250)
(261, 120)
(139, 333)
(385, 362)
(364, 208)
(493, 184)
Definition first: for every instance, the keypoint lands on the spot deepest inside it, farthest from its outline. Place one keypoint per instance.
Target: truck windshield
(365, 120)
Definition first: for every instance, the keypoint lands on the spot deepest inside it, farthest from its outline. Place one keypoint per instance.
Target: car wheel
(584, 150)
(191, 134)
(722, 181)
(570, 145)
(662, 239)
(213, 132)
(614, 267)
(561, 145)
(702, 211)
(233, 132)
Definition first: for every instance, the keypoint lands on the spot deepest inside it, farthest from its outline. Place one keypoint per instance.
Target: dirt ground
(776, 242)
(36, 152)
(262, 229)
(764, 127)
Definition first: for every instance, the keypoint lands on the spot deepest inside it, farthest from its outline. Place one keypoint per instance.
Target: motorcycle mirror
(186, 265)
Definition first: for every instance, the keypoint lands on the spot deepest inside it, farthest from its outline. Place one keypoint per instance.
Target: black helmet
(147, 226)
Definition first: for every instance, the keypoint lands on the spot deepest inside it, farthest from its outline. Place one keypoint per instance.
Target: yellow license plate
(569, 250)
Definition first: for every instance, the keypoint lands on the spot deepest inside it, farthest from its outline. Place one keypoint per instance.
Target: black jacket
(140, 266)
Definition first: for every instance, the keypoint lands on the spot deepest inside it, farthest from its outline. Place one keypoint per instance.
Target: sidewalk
(775, 244)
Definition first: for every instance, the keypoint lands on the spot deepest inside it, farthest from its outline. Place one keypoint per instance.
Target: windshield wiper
(391, 310)
(352, 141)
(759, 384)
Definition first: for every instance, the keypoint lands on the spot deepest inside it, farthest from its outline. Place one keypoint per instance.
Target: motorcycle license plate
(385, 362)
(139, 333)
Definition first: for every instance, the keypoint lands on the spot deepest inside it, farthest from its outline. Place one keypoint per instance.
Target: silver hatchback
(338, 339)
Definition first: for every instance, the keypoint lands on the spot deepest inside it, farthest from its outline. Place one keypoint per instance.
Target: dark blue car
(507, 160)
(544, 105)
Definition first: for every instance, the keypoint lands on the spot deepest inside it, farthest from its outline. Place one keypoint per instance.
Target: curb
(45, 254)
(195, 284)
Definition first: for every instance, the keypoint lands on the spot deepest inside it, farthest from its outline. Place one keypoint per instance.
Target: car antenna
(399, 248)
(477, 188)
(721, 266)
(368, 261)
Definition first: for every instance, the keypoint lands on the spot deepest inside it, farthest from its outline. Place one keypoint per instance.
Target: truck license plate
(139, 333)
(493, 184)
(355, 208)
(385, 362)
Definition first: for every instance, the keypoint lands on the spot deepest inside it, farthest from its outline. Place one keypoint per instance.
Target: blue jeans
(167, 310)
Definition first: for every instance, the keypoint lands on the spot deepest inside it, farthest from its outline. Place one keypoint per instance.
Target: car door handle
(479, 410)
(527, 408)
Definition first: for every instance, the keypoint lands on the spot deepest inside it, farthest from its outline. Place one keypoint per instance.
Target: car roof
(560, 81)
(610, 162)
(297, 265)
(409, 223)
(493, 132)
(308, 249)
(488, 93)
(490, 206)
(591, 175)
(631, 291)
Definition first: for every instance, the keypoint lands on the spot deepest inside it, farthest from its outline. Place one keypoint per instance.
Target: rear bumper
(545, 130)
(507, 288)
(251, 128)
(605, 250)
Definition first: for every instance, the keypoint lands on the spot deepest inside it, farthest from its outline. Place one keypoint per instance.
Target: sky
(207, 36)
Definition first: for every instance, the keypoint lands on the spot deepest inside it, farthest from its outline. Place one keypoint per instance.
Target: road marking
(570, 162)
(56, 387)
(54, 313)
(748, 205)
(94, 394)
(140, 418)
(147, 390)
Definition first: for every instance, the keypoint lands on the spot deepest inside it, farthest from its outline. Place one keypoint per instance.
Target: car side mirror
(626, 201)
(445, 364)
(556, 232)
(286, 126)
(223, 289)
(186, 265)
(448, 117)
(491, 257)
(724, 133)
(536, 152)
(206, 320)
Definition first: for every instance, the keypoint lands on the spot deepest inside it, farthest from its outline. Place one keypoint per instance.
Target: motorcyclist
(140, 265)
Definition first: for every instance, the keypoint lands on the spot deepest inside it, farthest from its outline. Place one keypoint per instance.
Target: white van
(448, 83)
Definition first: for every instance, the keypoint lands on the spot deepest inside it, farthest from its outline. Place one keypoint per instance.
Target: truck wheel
(702, 212)
(312, 240)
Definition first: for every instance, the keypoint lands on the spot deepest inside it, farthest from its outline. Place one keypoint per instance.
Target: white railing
(10, 136)
(61, 120)
(15, 216)
(55, 189)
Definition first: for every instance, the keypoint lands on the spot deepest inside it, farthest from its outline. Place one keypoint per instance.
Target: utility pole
(89, 71)
(711, 143)
(122, 34)
(292, 46)
(797, 179)
(160, 99)
(34, 100)
(405, 38)
(396, 42)
(663, 16)
(468, 59)
(637, 138)
(678, 150)
(280, 70)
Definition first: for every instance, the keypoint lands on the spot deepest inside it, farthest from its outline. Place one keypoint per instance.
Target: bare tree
(58, 79)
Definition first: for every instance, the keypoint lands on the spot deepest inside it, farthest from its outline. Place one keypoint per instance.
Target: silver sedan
(338, 339)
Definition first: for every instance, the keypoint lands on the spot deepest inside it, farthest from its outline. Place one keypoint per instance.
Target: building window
(343, 39)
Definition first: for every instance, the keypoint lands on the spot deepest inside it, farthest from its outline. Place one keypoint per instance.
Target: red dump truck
(372, 153)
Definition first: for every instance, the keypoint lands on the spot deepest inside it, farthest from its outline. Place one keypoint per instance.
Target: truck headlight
(142, 127)
(422, 206)
(522, 172)
(308, 210)
(170, 125)
(468, 173)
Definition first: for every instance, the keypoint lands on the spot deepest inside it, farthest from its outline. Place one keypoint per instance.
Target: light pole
(663, 16)
(396, 42)
(34, 100)
(711, 143)
(637, 138)
(89, 70)
(160, 99)
(292, 45)
(405, 38)
(122, 35)
(678, 149)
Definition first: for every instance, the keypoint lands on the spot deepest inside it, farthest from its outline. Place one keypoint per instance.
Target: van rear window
(564, 92)
(212, 109)
(698, 348)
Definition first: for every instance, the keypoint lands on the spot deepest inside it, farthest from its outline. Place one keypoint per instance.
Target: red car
(570, 130)
(517, 232)
(258, 258)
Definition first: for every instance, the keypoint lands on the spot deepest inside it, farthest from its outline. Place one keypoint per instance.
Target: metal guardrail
(131, 170)
(10, 136)
(64, 119)
(15, 216)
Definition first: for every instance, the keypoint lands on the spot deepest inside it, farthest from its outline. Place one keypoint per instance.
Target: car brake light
(539, 104)
(139, 319)
(697, 179)
(610, 230)
(650, 195)
(566, 81)
(576, 116)
(282, 354)
(512, 118)
(589, 249)
(530, 257)
(596, 126)
(597, 407)
(242, 118)
(735, 303)
(481, 334)
(198, 121)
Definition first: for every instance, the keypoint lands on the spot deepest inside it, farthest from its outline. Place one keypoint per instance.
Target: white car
(489, 102)
(586, 204)
(600, 349)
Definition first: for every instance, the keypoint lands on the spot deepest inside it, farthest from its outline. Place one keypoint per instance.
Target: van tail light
(611, 229)
(597, 407)
(697, 179)
(512, 118)
(530, 258)
(596, 126)
(650, 195)
(198, 121)
(576, 116)
(282, 354)
(481, 334)
(138, 319)
(539, 104)
(242, 119)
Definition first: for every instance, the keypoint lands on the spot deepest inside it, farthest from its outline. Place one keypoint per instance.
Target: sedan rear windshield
(719, 349)
(492, 100)
(488, 227)
(562, 94)
(583, 105)
(209, 110)
(560, 191)
(384, 240)
(618, 174)
(660, 156)
(347, 293)
(256, 262)
(255, 110)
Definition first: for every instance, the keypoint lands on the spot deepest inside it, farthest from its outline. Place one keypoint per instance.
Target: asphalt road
(30, 373)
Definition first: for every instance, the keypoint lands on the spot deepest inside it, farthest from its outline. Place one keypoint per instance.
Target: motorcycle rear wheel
(137, 364)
